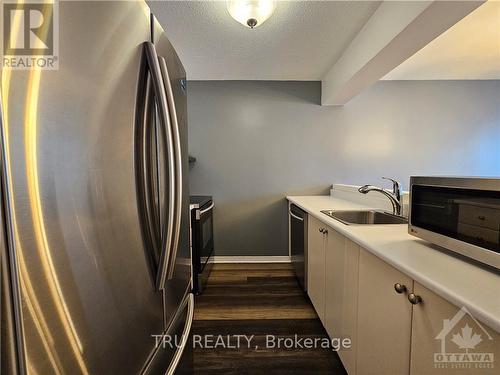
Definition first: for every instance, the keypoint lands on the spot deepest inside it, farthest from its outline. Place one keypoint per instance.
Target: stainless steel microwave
(461, 214)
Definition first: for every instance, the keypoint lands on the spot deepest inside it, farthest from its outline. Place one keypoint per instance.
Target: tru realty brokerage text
(251, 341)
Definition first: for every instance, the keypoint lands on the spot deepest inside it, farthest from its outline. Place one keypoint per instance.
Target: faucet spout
(394, 198)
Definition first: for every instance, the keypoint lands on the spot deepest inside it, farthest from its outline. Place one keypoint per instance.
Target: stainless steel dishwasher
(298, 243)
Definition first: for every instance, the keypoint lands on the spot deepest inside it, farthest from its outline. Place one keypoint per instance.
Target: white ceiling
(468, 50)
(300, 41)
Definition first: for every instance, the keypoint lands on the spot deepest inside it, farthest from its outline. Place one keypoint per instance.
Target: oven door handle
(200, 213)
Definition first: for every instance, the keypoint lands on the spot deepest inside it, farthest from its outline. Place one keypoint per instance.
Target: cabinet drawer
(481, 216)
(483, 234)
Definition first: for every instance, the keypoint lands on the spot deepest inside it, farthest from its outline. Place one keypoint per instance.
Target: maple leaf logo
(467, 340)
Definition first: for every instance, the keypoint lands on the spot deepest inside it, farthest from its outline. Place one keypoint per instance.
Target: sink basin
(365, 217)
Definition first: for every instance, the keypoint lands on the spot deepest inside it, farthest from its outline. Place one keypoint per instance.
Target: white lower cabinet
(396, 325)
(439, 328)
(316, 243)
(341, 294)
(383, 320)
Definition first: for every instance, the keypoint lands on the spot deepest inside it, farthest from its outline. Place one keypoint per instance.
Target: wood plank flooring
(259, 300)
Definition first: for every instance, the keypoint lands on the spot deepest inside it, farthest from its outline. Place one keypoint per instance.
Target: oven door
(203, 236)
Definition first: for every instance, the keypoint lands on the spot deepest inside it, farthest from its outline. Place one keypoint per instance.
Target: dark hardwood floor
(259, 300)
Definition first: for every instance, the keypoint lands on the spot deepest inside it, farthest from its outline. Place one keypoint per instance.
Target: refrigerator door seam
(10, 244)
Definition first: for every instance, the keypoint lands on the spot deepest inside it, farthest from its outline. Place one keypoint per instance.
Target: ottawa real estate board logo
(464, 344)
(30, 34)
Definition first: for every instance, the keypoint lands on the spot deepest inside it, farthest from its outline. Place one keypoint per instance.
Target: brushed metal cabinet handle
(414, 299)
(400, 288)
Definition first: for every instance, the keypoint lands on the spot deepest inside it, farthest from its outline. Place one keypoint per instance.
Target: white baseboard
(251, 259)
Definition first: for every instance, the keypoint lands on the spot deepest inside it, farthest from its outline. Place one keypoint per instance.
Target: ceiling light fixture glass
(251, 13)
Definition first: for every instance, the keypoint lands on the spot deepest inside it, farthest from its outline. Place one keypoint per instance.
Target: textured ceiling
(300, 41)
(468, 50)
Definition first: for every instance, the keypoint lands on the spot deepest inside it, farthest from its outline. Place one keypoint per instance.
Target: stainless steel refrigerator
(95, 204)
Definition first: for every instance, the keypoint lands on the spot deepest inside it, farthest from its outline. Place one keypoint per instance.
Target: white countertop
(459, 282)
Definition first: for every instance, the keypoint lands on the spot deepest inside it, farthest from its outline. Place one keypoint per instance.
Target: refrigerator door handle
(145, 169)
(185, 334)
(178, 160)
(166, 131)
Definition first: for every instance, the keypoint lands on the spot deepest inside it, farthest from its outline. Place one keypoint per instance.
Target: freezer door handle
(185, 334)
(166, 227)
(178, 163)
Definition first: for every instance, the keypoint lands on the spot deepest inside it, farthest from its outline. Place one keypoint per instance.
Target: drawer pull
(481, 217)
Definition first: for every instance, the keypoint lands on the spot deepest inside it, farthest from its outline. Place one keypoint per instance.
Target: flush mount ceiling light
(251, 13)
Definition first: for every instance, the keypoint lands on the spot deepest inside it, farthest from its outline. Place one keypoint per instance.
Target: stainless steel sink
(365, 217)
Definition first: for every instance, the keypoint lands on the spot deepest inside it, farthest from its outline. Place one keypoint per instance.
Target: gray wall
(256, 142)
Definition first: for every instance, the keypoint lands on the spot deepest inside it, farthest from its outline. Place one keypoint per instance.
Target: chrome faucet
(394, 197)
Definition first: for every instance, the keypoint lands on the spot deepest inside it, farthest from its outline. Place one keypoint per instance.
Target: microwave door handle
(163, 112)
(200, 213)
(178, 163)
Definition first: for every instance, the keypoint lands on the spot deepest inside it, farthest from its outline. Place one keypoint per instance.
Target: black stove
(202, 239)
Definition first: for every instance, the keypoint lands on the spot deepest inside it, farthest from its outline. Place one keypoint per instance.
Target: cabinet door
(341, 294)
(384, 319)
(316, 265)
(439, 329)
